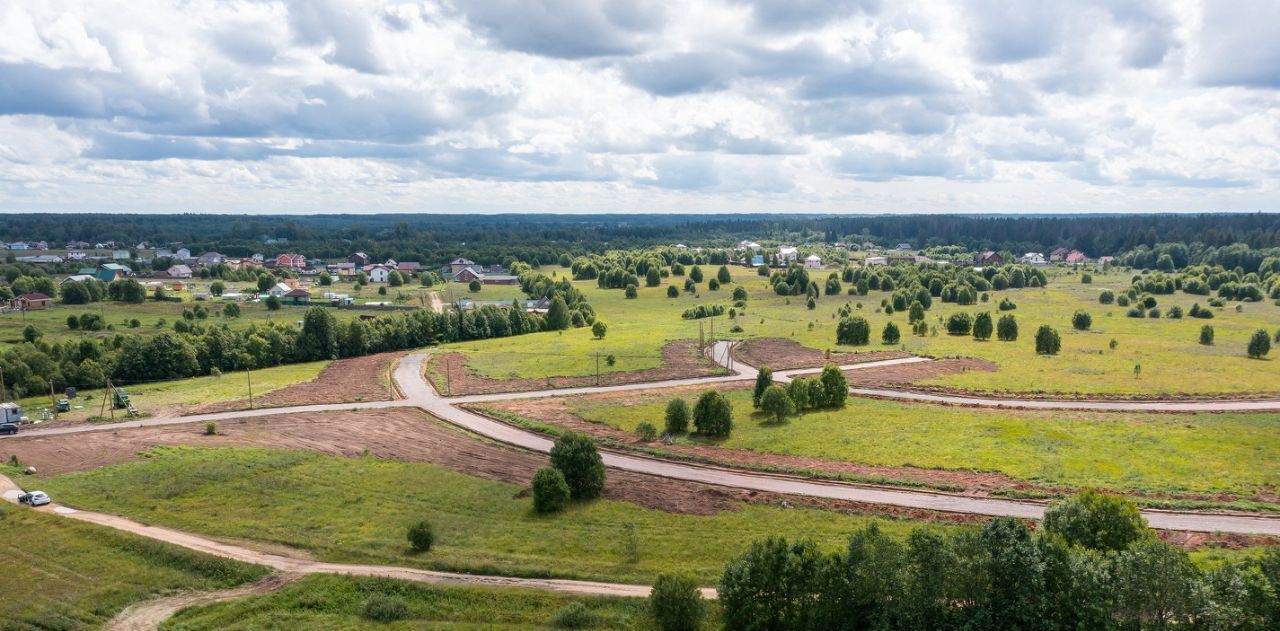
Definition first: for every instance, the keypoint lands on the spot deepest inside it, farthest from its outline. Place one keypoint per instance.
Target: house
(902, 246)
(33, 301)
(410, 266)
(469, 274)
(297, 297)
(10, 412)
(119, 255)
(360, 259)
(988, 258)
(1106, 260)
(279, 290)
(209, 259)
(40, 258)
(104, 245)
(76, 255)
(459, 264)
(76, 278)
(757, 260)
(257, 258)
(1034, 258)
(787, 254)
(41, 245)
(876, 260)
(289, 259)
(107, 272)
(379, 273)
(78, 245)
(178, 271)
(1059, 254)
(1076, 256)
(19, 245)
(813, 261)
(746, 244)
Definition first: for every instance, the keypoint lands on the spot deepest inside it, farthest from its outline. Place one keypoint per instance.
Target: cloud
(340, 25)
(681, 73)
(879, 165)
(1237, 44)
(570, 29)
(787, 15)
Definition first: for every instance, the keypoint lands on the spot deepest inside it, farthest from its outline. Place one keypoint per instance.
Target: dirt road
(149, 615)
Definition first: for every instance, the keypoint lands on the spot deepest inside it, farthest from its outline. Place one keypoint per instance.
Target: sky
(477, 106)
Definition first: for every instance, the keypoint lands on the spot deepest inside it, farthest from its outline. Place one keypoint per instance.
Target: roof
(813, 257)
(35, 295)
(462, 261)
(115, 267)
(179, 269)
(9, 405)
(298, 293)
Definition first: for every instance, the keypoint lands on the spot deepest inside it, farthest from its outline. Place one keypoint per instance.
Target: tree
(695, 274)
(724, 276)
(557, 314)
(159, 293)
(1007, 328)
(75, 293)
(916, 312)
(890, 334)
(1206, 335)
(395, 279)
(550, 490)
(776, 403)
(959, 323)
(1259, 344)
(421, 536)
(273, 303)
(576, 457)
(1096, 521)
(982, 326)
(773, 586)
(677, 416)
(1107, 297)
(672, 292)
(853, 331)
(835, 388)
(630, 292)
(217, 287)
(676, 603)
(1047, 341)
(265, 281)
(599, 329)
(326, 279)
(73, 322)
(1081, 320)
(474, 286)
(713, 415)
(653, 277)
(764, 379)
(1156, 586)
(231, 311)
(319, 337)
(30, 333)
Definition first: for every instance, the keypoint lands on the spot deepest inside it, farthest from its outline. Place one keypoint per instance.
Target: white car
(34, 498)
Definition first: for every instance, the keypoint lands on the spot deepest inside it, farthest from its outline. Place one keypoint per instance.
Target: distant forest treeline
(543, 238)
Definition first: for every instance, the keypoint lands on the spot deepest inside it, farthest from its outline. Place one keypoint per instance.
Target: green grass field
(63, 574)
(357, 510)
(335, 602)
(1173, 453)
(1171, 360)
(158, 396)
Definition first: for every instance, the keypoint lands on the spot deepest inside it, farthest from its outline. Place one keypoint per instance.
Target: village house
(120, 255)
(76, 278)
(78, 245)
(875, 260)
(178, 271)
(107, 272)
(379, 273)
(33, 301)
(41, 245)
(44, 259)
(297, 296)
(209, 259)
(289, 259)
(757, 260)
(813, 261)
(787, 255)
(76, 255)
(1059, 255)
(1034, 258)
(279, 290)
(19, 245)
(988, 258)
(1076, 256)
(360, 259)
(459, 264)
(1106, 260)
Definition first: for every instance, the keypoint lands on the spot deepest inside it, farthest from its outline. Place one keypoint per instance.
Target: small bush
(1107, 297)
(550, 491)
(1206, 335)
(382, 608)
(646, 431)
(677, 416)
(1047, 341)
(421, 536)
(1081, 321)
(574, 615)
(676, 604)
(210, 429)
(576, 457)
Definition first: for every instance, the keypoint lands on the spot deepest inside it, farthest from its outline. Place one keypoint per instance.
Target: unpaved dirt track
(302, 566)
(418, 393)
(149, 615)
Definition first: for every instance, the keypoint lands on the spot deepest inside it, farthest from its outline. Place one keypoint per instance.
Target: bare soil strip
(784, 354)
(365, 378)
(149, 615)
(681, 359)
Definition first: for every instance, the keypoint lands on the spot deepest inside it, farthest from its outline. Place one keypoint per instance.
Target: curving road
(418, 393)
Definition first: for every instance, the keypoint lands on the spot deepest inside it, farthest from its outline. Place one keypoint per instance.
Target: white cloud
(716, 105)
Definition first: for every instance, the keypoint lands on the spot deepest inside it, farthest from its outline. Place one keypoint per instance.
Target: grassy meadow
(1163, 453)
(1170, 358)
(63, 574)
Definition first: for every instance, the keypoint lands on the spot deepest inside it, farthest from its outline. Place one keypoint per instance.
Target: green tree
(672, 292)
(273, 303)
(1096, 521)
(677, 416)
(75, 293)
(30, 333)
(853, 331)
(676, 604)
(982, 326)
(421, 536)
(835, 388)
(1047, 341)
(599, 329)
(217, 288)
(695, 274)
(1206, 335)
(890, 334)
(713, 415)
(557, 318)
(1015, 596)
(653, 277)
(1007, 328)
(326, 279)
(1081, 320)
(959, 323)
(265, 282)
(474, 286)
(723, 275)
(1107, 297)
(1156, 586)
(319, 336)
(576, 457)
(764, 379)
(916, 312)
(1259, 344)
(231, 310)
(395, 279)
(550, 490)
(630, 292)
(773, 586)
(776, 403)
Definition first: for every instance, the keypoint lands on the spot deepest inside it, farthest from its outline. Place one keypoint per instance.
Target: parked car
(8, 428)
(34, 498)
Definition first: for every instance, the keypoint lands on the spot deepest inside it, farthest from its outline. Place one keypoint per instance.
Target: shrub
(1086, 279)
(672, 292)
(630, 291)
(599, 329)
(853, 331)
(677, 416)
(1122, 300)
(1096, 521)
(777, 403)
(383, 608)
(1197, 311)
(1081, 320)
(712, 414)
(574, 615)
(890, 334)
(1107, 297)
(646, 431)
(1154, 312)
(982, 326)
(211, 429)
(676, 604)
(1175, 313)
(1007, 305)
(1047, 341)
(1206, 335)
(474, 286)
(1136, 312)
(576, 457)
(764, 378)
(421, 536)
(1259, 344)
(959, 323)
(550, 491)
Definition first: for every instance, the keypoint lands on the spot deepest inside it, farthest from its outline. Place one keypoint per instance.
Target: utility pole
(111, 390)
(53, 401)
(4, 396)
(106, 392)
(248, 375)
(597, 368)
(448, 376)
